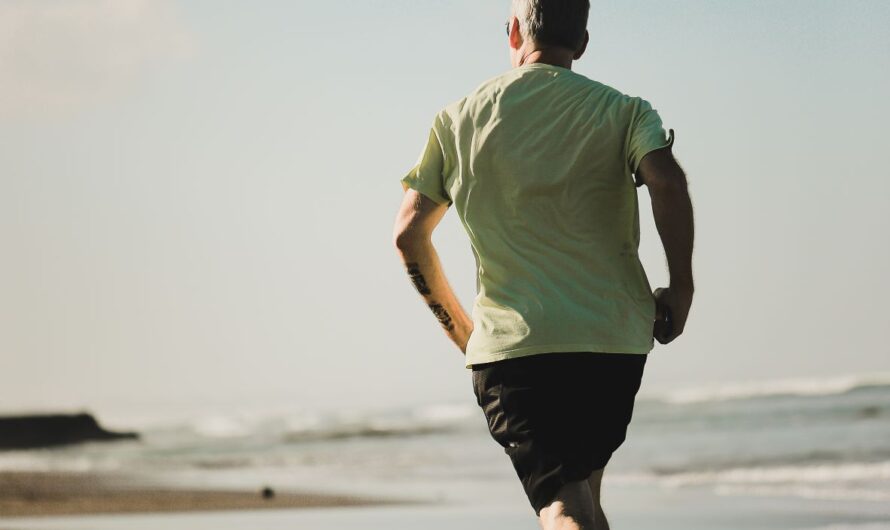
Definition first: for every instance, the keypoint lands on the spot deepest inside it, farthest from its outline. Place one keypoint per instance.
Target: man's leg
(594, 481)
(572, 508)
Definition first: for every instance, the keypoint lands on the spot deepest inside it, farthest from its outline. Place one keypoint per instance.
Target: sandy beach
(696, 461)
(629, 507)
(69, 493)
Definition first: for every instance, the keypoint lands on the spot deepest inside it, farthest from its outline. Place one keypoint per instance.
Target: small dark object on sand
(268, 493)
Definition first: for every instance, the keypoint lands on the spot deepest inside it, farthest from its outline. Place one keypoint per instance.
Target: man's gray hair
(553, 22)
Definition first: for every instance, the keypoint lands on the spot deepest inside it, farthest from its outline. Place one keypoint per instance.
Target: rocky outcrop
(48, 430)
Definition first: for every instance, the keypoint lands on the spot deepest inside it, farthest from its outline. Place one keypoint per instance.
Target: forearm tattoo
(421, 286)
(442, 315)
(417, 278)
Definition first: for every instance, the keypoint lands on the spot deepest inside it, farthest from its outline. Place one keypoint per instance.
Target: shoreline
(53, 493)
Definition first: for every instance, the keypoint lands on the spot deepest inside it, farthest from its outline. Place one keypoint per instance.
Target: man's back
(539, 164)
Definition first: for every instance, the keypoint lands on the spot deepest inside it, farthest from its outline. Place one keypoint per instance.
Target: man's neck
(553, 56)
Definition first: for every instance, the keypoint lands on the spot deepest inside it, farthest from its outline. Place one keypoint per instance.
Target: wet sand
(63, 493)
(639, 507)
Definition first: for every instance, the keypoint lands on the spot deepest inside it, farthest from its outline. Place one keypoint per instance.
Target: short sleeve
(428, 174)
(645, 134)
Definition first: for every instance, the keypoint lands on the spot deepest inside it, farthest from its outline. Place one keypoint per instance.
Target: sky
(197, 198)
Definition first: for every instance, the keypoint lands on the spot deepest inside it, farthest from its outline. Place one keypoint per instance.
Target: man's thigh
(559, 417)
(594, 483)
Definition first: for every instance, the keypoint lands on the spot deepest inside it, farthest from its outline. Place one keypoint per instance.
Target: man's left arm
(412, 235)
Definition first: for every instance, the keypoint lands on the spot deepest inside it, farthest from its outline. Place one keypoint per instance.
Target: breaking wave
(777, 387)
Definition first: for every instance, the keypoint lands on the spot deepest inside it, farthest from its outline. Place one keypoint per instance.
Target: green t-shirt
(539, 163)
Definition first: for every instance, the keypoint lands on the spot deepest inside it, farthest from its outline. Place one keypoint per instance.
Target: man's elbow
(407, 240)
(668, 185)
(400, 240)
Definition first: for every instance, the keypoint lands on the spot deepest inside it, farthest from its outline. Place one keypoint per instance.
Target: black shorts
(558, 416)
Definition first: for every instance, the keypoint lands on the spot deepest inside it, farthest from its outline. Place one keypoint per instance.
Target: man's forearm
(672, 209)
(425, 271)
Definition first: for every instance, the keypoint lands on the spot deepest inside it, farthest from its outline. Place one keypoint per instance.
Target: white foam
(22, 461)
(851, 481)
(806, 474)
(40, 460)
(220, 427)
(808, 492)
(776, 387)
(854, 526)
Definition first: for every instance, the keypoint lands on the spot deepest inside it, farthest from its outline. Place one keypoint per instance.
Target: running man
(542, 165)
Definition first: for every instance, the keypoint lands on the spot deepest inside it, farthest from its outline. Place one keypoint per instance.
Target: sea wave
(862, 481)
(855, 526)
(365, 429)
(826, 493)
(794, 460)
(429, 419)
(315, 426)
(808, 474)
(45, 460)
(775, 387)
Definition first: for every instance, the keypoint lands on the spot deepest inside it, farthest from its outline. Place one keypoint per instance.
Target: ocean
(809, 454)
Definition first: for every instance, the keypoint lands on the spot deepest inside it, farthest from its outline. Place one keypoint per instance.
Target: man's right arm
(672, 209)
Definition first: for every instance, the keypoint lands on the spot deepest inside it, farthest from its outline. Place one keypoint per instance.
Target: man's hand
(672, 210)
(671, 310)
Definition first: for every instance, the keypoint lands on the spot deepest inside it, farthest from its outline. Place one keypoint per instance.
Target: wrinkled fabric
(539, 163)
(558, 416)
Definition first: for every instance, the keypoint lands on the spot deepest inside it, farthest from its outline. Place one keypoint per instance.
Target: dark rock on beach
(48, 430)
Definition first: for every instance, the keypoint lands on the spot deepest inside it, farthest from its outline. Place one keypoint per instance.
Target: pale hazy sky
(197, 198)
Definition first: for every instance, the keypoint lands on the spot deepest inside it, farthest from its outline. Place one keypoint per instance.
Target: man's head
(557, 27)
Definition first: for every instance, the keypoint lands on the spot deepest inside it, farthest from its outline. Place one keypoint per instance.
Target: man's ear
(581, 50)
(515, 34)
